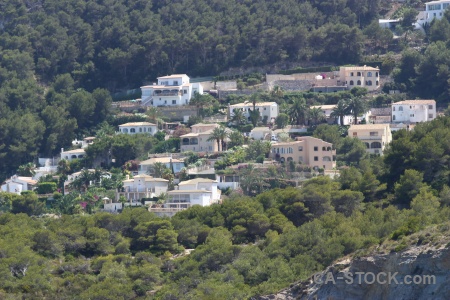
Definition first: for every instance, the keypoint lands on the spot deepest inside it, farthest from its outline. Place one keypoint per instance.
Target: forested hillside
(119, 43)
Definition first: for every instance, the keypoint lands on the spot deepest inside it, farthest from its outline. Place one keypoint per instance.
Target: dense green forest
(120, 43)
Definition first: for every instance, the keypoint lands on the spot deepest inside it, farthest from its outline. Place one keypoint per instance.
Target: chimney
(127, 177)
(62, 150)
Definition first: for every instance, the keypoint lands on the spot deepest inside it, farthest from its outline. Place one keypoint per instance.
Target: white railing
(146, 101)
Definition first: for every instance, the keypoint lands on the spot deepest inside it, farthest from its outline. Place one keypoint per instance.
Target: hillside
(425, 258)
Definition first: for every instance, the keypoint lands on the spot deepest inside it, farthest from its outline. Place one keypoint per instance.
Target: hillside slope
(428, 262)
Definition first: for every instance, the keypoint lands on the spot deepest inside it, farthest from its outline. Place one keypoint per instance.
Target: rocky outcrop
(420, 272)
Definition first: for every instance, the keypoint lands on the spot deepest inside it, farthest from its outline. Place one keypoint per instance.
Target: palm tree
(315, 115)
(219, 134)
(277, 91)
(340, 111)
(357, 106)
(154, 115)
(158, 169)
(297, 111)
(200, 101)
(26, 170)
(238, 117)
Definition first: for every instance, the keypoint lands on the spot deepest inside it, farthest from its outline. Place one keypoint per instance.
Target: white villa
(433, 10)
(413, 111)
(17, 184)
(266, 109)
(327, 110)
(142, 186)
(261, 133)
(199, 191)
(138, 127)
(72, 154)
(146, 166)
(172, 90)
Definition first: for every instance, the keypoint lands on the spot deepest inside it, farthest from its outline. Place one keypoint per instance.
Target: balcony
(167, 93)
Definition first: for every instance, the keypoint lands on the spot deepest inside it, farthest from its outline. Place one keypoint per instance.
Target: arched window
(367, 145)
(369, 74)
(125, 130)
(376, 75)
(369, 82)
(324, 149)
(375, 145)
(358, 82)
(377, 83)
(282, 160)
(351, 82)
(185, 141)
(358, 74)
(328, 148)
(351, 73)
(132, 130)
(73, 156)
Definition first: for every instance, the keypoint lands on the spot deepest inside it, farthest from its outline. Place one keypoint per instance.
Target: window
(358, 74)
(393, 108)
(369, 82)
(175, 82)
(376, 75)
(400, 108)
(358, 82)
(210, 148)
(264, 108)
(351, 82)
(132, 130)
(300, 148)
(373, 133)
(377, 82)
(324, 149)
(411, 115)
(393, 118)
(149, 129)
(369, 74)
(430, 116)
(316, 148)
(300, 159)
(185, 92)
(351, 73)
(430, 106)
(355, 134)
(165, 101)
(375, 145)
(174, 101)
(316, 158)
(140, 129)
(377, 151)
(445, 5)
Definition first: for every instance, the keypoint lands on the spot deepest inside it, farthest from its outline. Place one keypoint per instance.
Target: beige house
(375, 136)
(367, 77)
(308, 151)
(197, 140)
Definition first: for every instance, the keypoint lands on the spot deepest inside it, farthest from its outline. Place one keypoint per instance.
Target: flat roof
(137, 124)
(172, 76)
(197, 180)
(163, 160)
(414, 102)
(360, 68)
(251, 104)
(368, 126)
(187, 191)
(326, 106)
(81, 150)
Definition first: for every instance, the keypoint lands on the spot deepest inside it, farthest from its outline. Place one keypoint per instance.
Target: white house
(261, 133)
(142, 186)
(172, 90)
(72, 154)
(266, 109)
(138, 127)
(327, 110)
(413, 111)
(17, 184)
(433, 10)
(85, 142)
(199, 191)
(146, 166)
